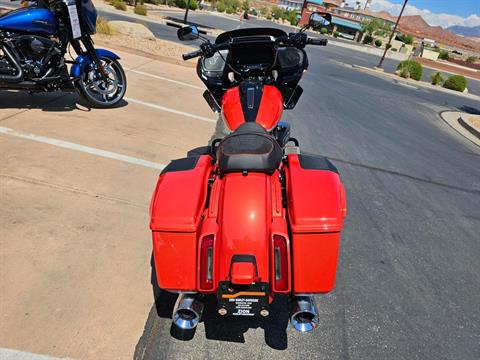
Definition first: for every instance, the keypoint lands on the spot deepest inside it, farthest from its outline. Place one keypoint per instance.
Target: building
(345, 20)
(290, 4)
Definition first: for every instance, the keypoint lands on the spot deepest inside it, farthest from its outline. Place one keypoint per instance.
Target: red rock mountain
(416, 26)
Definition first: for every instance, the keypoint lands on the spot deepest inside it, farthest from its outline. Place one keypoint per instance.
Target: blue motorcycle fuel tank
(29, 21)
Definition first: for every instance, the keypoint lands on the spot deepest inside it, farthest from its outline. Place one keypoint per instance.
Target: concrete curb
(453, 118)
(367, 50)
(467, 123)
(142, 18)
(415, 83)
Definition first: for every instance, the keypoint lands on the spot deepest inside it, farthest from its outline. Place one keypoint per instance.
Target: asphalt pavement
(407, 284)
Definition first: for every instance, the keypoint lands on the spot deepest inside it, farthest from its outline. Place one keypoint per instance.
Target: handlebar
(192, 54)
(319, 42)
(288, 40)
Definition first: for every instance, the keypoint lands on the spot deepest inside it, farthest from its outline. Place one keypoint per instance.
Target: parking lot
(76, 186)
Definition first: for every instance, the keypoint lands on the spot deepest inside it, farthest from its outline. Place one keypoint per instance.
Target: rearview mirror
(320, 18)
(188, 33)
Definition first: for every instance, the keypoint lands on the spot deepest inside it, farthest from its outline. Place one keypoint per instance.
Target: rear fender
(244, 221)
(84, 61)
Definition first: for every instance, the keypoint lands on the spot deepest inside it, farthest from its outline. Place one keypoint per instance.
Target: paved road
(408, 284)
(226, 23)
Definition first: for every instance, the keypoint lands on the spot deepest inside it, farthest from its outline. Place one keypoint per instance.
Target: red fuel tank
(263, 105)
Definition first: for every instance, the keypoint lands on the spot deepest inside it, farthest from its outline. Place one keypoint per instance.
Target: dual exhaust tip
(303, 315)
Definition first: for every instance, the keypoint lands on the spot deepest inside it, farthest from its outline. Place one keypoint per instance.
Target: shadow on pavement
(51, 102)
(225, 328)
(469, 109)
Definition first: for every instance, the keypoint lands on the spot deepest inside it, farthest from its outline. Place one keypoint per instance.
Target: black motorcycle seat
(249, 148)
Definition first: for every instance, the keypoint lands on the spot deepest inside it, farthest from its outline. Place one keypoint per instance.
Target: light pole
(391, 36)
(186, 12)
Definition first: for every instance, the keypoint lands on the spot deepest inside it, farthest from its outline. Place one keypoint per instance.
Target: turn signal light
(206, 263)
(280, 263)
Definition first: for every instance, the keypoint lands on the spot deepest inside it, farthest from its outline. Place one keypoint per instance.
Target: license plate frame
(246, 300)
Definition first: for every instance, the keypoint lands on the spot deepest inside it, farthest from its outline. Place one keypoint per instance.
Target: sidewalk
(75, 190)
(467, 125)
(454, 69)
(411, 82)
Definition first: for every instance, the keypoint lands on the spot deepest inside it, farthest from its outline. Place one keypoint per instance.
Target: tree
(246, 6)
(376, 27)
(407, 39)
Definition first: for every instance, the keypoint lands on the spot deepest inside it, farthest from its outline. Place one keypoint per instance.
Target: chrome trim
(304, 313)
(188, 312)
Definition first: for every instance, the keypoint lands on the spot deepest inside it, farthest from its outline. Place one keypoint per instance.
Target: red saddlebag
(176, 214)
(316, 208)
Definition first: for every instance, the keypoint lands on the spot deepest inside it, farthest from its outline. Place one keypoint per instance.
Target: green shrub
(404, 73)
(221, 6)
(336, 34)
(140, 10)
(378, 43)
(192, 4)
(367, 39)
(230, 10)
(444, 55)
(472, 59)
(437, 78)
(323, 30)
(456, 82)
(292, 18)
(412, 67)
(119, 5)
(103, 27)
(407, 39)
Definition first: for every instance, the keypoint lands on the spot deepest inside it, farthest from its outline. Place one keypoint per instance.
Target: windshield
(226, 36)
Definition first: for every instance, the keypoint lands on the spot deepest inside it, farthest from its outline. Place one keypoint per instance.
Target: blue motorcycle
(33, 44)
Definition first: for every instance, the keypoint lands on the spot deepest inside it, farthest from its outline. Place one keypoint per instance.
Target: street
(407, 285)
(75, 191)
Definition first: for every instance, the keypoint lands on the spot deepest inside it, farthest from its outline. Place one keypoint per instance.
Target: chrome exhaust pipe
(304, 314)
(10, 56)
(188, 312)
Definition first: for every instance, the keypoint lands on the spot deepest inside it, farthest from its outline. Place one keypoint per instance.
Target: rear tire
(96, 92)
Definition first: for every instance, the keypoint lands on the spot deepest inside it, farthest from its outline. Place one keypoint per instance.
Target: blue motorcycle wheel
(100, 93)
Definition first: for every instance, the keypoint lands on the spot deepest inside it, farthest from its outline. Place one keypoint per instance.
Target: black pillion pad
(249, 148)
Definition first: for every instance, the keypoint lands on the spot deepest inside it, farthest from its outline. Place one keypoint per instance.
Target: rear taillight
(280, 263)
(206, 263)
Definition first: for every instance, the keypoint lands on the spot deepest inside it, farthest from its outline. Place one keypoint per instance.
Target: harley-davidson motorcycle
(249, 217)
(33, 45)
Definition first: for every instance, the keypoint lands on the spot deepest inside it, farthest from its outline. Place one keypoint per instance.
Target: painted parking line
(167, 109)
(165, 79)
(9, 354)
(82, 148)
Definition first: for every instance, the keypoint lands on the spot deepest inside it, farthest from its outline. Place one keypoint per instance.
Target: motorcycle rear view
(249, 217)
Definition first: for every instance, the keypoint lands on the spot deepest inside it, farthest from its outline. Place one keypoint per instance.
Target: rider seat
(249, 148)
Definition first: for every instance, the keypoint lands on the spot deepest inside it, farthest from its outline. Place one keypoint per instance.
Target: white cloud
(433, 19)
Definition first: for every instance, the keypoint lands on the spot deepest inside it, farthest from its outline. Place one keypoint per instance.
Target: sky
(444, 13)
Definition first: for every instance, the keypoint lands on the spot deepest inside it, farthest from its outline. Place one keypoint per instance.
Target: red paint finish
(269, 112)
(232, 108)
(175, 224)
(271, 107)
(316, 208)
(242, 273)
(244, 220)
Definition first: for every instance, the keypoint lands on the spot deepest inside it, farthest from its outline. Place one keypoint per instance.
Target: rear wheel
(102, 93)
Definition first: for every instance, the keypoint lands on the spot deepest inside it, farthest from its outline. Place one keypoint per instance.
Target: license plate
(243, 301)
(74, 19)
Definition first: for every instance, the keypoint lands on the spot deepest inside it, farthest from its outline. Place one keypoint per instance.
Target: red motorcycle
(248, 217)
